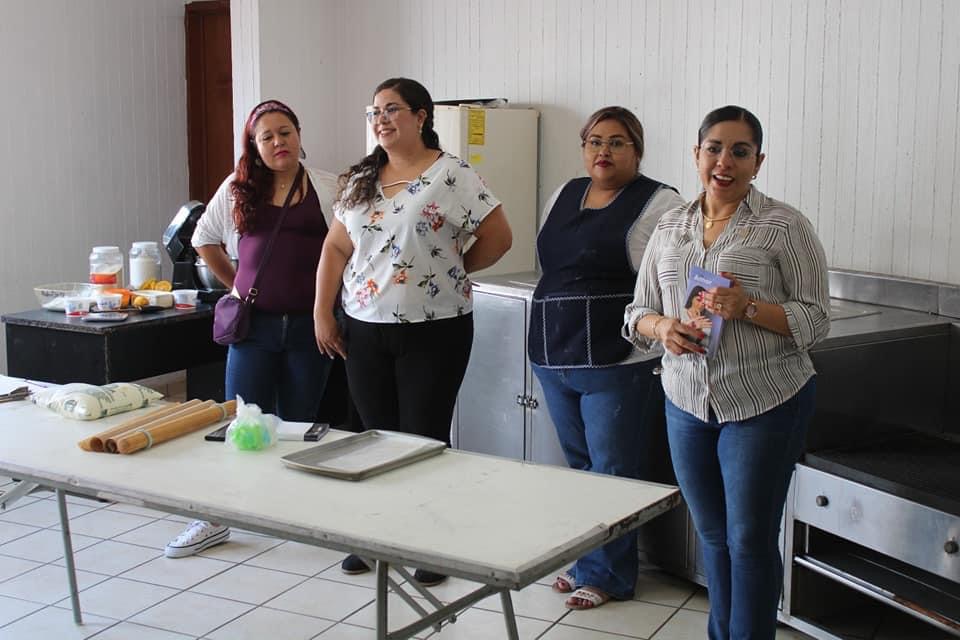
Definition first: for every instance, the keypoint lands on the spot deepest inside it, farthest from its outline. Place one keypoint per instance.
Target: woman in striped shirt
(736, 422)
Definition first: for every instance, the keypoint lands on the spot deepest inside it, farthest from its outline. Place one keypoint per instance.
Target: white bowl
(77, 305)
(50, 296)
(184, 298)
(108, 301)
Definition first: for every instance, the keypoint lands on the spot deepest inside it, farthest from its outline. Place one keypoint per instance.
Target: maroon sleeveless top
(287, 284)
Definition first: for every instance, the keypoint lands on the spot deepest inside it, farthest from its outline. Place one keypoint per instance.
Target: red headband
(268, 106)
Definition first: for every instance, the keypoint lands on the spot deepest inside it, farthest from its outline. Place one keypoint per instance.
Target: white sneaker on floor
(198, 536)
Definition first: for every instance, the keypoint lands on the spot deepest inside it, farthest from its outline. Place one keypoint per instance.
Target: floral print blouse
(407, 262)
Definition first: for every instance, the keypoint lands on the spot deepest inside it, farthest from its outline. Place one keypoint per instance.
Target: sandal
(586, 598)
(564, 583)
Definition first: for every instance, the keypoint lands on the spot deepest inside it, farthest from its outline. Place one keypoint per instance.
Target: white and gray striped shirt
(774, 252)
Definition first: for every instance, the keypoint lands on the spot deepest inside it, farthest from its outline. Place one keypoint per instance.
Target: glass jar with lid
(144, 263)
(106, 267)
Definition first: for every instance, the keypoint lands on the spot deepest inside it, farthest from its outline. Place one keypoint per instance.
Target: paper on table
(294, 430)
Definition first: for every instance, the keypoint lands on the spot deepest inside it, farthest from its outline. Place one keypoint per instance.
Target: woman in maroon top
(278, 365)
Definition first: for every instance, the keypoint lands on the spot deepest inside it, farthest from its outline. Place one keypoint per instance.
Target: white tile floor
(259, 587)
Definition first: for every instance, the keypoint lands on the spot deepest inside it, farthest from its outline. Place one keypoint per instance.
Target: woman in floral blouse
(398, 246)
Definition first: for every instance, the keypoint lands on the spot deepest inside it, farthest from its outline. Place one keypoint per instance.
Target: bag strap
(298, 181)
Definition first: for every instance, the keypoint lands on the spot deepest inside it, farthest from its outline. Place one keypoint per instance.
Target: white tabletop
(497, 521)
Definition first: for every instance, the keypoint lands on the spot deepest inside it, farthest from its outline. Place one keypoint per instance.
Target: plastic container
(51, 296)
(108, 301)
(76, 306)
(185, 298)
(144, 263)
(106, 267)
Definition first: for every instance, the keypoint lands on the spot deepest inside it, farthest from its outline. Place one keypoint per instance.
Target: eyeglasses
(389, 112)
(615, 145)
(738, 151)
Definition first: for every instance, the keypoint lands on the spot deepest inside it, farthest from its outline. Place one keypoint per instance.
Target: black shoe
(353, 565)
(428, 578)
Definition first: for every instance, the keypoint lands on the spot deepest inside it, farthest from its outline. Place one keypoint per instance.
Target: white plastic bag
(80, 401)
(252, 430)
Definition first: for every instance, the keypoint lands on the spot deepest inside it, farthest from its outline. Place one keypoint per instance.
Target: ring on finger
(719, 306)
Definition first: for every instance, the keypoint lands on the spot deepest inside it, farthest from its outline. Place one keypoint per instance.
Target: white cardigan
(216, 225)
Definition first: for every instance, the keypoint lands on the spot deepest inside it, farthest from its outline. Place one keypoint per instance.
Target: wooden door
(209, 96)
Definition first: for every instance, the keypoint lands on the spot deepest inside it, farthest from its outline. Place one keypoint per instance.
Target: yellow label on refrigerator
(476, 126)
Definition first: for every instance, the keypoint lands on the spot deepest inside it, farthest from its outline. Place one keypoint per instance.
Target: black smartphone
(313, 434)
(219, 435)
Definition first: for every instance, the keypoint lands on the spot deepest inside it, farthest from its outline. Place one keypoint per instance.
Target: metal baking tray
(364, 454)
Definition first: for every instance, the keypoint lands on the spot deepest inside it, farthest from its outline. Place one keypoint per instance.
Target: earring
(754, 177)
(303, 154)
(257, 162)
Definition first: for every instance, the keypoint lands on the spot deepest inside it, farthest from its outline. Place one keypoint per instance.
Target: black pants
(405, 377)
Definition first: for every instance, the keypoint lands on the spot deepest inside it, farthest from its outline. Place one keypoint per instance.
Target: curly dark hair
(253, 180)
(364, 174)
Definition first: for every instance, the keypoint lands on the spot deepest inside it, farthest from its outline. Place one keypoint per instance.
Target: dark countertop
(915, 466)
(45, 319)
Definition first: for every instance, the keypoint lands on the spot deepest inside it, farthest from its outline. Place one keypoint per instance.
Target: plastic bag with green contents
(252, 430)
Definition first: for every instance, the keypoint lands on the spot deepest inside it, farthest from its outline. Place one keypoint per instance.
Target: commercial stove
(873, 515)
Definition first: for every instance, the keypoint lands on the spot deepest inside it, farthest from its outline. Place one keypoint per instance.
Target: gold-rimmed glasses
(615, 145)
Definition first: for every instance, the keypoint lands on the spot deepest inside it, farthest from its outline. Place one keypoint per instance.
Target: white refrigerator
(501, 144)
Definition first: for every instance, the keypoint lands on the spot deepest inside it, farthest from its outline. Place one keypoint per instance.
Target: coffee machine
(176, 240)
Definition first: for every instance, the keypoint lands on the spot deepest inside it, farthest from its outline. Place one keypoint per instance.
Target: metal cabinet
(500, 409)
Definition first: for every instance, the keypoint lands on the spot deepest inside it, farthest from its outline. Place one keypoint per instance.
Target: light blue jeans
(734, 477)
(279, 367)
(603, 418)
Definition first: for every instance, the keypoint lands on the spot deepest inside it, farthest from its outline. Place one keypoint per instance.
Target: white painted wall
(858, 97)
(290, 51)
(93, 129)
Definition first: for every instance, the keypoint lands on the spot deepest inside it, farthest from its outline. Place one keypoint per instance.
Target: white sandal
(593, 598)
(564, 583)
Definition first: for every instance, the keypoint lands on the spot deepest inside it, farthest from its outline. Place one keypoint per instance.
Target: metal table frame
(483, 546)
(442, 614)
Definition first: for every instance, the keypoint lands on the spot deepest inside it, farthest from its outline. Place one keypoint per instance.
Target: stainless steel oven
(873, 518)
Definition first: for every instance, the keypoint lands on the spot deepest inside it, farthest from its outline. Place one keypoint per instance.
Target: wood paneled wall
(93, 128)
(859, 98)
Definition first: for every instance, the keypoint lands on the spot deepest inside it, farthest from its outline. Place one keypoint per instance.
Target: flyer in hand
(695, 313)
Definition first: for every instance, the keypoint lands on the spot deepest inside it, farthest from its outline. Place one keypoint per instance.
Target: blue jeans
(279, 367)
(734, 477)
(603, 418)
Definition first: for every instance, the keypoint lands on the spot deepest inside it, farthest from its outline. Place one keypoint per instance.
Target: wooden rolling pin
(97, 441)
(110, 444)
(169, 428)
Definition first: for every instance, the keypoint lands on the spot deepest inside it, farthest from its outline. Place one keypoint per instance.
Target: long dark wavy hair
(364, 174)
(253, 180)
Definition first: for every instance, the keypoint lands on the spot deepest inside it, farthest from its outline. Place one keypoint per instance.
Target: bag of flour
(80, 401)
